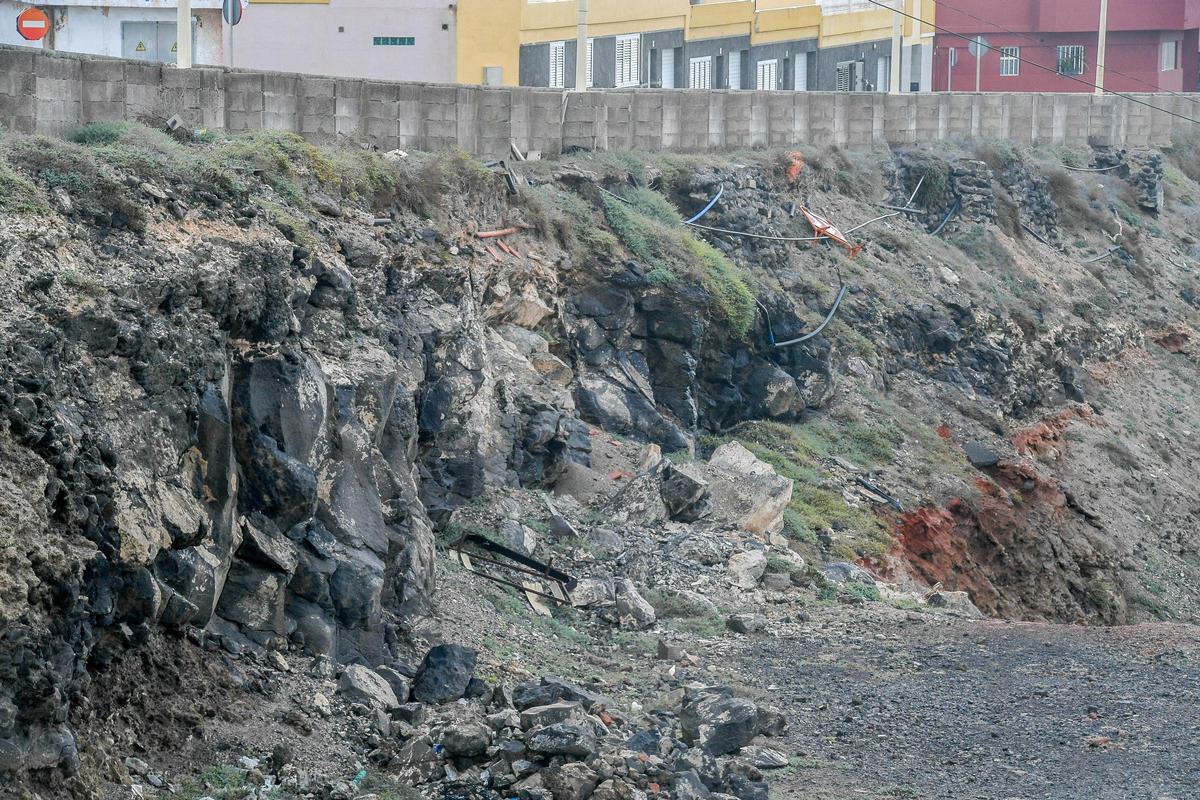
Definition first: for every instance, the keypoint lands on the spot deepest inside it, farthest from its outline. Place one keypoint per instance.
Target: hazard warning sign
(33, 24)
(141, 47)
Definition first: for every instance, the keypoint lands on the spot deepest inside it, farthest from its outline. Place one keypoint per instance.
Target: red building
(1034, 45)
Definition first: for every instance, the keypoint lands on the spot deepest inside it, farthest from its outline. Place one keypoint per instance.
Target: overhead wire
(1036, 40)
(1024, 60)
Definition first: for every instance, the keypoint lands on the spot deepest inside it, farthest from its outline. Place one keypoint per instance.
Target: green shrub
(18, 194)
(90, 184)
(99, 132)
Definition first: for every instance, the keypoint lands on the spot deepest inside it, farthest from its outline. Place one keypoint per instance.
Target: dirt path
(927, 708)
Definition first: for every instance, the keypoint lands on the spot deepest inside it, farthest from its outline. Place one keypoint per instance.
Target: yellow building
(802, 45)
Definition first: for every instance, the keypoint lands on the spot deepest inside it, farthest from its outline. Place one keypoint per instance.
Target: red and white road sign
(33, 24)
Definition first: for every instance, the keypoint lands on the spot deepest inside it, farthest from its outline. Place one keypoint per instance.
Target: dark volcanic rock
(444, 674)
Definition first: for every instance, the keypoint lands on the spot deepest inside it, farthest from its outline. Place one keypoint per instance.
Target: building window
(700, 73)
(845, 6)
(394, 41)
(590, 48)
(801, 77)
(768, 75)
(1010, 61)
(735, 69)
(629, 51)
(558, 63)
(1170, 55)
(1070, 59)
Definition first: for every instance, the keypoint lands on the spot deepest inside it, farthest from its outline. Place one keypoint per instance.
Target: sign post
(183, 34)
(978, 47)
(33, 24)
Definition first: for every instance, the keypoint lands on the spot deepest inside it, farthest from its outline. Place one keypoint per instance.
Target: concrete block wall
(51, 93)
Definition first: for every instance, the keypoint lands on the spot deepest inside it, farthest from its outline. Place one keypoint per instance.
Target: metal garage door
(152, 41)
(140, 40)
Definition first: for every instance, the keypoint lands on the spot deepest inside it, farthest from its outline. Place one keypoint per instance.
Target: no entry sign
(33, 24)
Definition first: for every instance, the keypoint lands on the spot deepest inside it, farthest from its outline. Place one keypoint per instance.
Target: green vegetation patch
(91, 185)
(651, 229)
(795, 451)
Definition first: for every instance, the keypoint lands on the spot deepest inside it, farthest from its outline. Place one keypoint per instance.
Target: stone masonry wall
(50, 93)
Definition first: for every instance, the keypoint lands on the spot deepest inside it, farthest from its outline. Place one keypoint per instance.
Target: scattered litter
(497, 234)
(495, 254)
(555, 584)
(826, 229)
(395, 155)
(795, 164)
(878, 492)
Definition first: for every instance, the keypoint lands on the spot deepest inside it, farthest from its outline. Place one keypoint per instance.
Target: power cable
(1038, 41)
(1024, 60)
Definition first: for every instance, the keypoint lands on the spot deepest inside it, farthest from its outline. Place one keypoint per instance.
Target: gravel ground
(924, 707)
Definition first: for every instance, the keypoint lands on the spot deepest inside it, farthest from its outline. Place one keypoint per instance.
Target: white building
(400, 40)
(143, 29)
(406, 40)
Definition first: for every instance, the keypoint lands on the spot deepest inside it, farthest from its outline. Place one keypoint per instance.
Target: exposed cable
(1092, 169)
(707, 208)
(1101, 256)
(954, 210)
(821, 327)
(1024, 60)
(756, 235)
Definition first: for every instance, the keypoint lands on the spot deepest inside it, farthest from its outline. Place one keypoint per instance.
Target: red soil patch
(969, 545)
(1047, 438)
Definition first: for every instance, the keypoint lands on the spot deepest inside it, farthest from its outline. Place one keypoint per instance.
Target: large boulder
(444, 674)
(633, 610)
(749, 493)
(747, 567)
(362, 685)
(564, 739)
(714, 719)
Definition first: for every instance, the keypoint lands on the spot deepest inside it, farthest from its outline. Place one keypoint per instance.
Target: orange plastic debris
(796, 163)
(823, 227)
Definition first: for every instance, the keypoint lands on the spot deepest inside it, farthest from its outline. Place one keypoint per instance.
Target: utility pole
(897, 48)
(1103, 36)
(183, 34)
(581, 40)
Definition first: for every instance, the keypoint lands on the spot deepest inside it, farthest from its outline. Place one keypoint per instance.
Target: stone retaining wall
(46, 92)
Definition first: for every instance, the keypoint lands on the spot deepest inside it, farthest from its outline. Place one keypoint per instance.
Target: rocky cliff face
(243, 404)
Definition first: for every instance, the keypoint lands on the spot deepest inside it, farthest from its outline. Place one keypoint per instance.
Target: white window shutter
(590, 42)
(735, 69)
(558, 58)
(801, 83)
